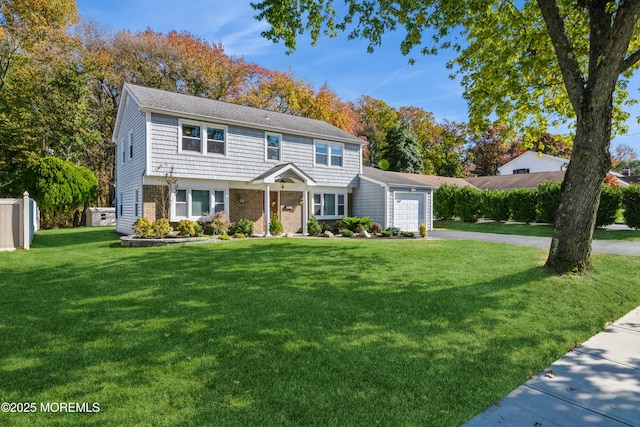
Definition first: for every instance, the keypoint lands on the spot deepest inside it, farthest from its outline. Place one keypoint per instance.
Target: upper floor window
(519, 171)
(203, 138)
(273, 146)
(191, 138)
(215, 140)
(124, 150)
(328, 154)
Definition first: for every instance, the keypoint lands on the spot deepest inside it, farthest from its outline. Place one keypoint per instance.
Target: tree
(60, 188)
(489, 151)
(402, 151)
(522, 63)
(553, 145)
(624, 155)
(376, 116)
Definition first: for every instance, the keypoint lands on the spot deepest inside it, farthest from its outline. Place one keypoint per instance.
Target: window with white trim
(329, 205)
(124, 150)
(202, 138)
(216, 140)
(328, 154)
(136, 197)
(192, 203)
(181, 203)
(273, 146)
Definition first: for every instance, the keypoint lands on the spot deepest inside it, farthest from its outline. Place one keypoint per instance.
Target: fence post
(24, 221)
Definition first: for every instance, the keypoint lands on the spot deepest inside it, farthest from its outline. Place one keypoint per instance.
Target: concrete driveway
(615, 247)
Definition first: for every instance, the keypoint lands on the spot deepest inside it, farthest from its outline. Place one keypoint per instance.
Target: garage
(408, 211)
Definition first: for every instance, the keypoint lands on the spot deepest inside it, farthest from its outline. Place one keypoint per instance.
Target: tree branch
(629, 62)
(565, 53)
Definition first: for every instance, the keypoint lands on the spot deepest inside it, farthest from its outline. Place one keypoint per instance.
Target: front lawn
(299, 331)
(538, 230)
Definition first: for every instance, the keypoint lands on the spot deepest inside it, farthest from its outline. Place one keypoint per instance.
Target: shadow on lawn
(256, 334)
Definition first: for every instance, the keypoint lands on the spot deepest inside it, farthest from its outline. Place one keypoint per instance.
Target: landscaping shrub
(408, 234)
(313, 227)
(143, 227)
(522, 205)
(238, 236)
(376, 228)
(444, 201)
(224, 237)
(395, 231)
(387, 233)
(244, 226)
(275, 226)
(189, 228)
(217, 225)
(347, 233)
(162, 228)
(495, 205)
(631, 206)
(610, 202)
(423, 230)
(548, 200)
(468, 202)
(353, 222)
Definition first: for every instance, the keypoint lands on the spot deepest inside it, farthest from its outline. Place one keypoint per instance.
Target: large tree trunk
(580, 194)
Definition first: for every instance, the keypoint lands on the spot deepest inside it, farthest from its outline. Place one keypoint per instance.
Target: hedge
(444, 201)
(631, 206)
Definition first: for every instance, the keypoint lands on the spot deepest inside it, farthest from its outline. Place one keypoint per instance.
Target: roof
(401, 179)
(287, 172)
(178, 104)
(510, 182)
(633, 179)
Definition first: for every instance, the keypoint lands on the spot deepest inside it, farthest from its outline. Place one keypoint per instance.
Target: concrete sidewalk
(596, 384)
(614, 247)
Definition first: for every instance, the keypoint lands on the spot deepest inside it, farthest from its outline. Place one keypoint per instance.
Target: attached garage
(393, 200)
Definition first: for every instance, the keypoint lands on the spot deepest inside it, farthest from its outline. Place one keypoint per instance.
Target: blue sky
(344, 64)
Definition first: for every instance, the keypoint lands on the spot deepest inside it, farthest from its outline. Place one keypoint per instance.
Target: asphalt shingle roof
(178, 104)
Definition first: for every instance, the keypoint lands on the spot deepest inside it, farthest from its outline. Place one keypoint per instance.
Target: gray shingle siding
(369, 200)
(245, 157)
(129, 171)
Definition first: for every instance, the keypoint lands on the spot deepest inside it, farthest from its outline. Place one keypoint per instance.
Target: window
(181, 203)
(131, 144)
(136, 206)
(317, 204)
(328, 154)
(273, 147)
(124, 151)
(321, 153)
(336, 155)
(218, 201)
(329, 205)
(121, 201)
(191, 138)
(199, 202)
(520, 171)
(215, 140)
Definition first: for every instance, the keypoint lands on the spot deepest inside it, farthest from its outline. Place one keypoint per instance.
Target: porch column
(267, 211)
(305, 211)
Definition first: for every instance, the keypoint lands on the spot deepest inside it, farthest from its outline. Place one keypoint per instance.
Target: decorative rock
(327, 234)
(365, 234)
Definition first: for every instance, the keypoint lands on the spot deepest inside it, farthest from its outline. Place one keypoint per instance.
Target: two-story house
(245, 161)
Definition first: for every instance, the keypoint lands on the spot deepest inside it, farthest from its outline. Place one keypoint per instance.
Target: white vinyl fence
(19, 220)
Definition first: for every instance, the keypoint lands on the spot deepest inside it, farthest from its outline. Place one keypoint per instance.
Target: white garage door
(408, 212)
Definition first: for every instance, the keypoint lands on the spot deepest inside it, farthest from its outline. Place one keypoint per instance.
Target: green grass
(287, 331)
(539, 230)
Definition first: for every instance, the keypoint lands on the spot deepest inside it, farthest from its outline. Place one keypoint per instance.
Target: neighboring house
(394, 199)
(533, 162)
(228, 158)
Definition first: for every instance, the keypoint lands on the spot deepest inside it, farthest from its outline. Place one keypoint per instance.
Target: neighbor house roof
(181, 105)
(510, 182)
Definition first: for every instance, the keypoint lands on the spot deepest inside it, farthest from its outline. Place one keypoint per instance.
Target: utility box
(99, 217)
